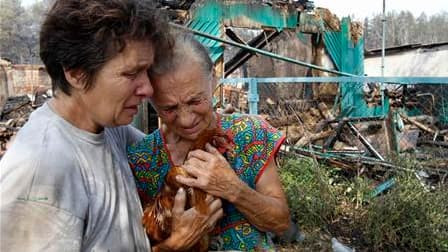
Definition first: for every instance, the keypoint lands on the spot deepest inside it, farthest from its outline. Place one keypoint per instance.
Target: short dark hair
(84, 34)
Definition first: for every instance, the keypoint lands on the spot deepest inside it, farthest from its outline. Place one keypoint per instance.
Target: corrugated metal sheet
(333, 45)
(215, 48)
(349, 57)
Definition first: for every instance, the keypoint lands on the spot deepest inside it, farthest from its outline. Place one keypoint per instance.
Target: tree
(33, 20)
(19, 31)
(403, 28)
(11, 29)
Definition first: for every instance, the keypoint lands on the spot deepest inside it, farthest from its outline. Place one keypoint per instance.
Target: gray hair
(185, 49)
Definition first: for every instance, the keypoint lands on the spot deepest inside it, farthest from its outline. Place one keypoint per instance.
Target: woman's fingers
(179, 202)
(209, 199)
(193, 169)
(216, 216)
(216, 213)
(190, 225)
(202, 155)
(216, 204)
(191, 182)
(209, 148)
(193, 161)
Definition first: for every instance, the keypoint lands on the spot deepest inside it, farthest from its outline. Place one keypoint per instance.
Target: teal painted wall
(349, 57)
(257, 13)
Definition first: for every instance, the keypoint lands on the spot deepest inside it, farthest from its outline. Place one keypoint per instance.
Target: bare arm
(189, 226)
(265, 207)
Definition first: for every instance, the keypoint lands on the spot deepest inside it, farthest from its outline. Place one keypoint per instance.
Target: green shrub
(310, 196)
(327, 202)
(408, 218)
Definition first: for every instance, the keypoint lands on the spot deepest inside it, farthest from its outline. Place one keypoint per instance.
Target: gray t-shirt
(65, 189)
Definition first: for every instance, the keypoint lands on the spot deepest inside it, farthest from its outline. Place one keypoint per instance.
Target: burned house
(22, 89)
(276, 39)
(303, 41)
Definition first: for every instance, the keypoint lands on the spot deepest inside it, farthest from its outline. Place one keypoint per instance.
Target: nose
(144, 86)
(185, 116)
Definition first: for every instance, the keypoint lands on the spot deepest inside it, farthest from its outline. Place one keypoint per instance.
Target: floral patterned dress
(256, 143)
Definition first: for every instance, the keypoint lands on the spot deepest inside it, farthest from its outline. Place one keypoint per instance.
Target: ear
(74, 77)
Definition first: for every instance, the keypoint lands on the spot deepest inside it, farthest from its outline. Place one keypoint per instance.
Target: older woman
(65, 182)
(254, 202)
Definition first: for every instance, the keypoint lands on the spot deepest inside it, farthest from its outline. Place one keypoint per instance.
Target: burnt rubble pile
(314, 128)
(15, 113)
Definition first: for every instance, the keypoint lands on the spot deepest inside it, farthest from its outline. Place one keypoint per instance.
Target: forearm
(267, 213)
(170, 244)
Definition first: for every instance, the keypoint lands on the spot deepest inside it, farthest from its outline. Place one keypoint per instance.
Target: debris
(308, 138)
(339, 247)
(408, 139)
(16, 112)
(418, 124)
(434, 143)
(364, 141)
(350, 162)
(382, 187)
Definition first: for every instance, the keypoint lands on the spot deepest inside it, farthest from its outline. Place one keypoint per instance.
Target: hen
(157, 215)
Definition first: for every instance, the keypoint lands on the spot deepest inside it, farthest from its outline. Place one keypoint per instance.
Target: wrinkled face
(119, 87)
(183, 100)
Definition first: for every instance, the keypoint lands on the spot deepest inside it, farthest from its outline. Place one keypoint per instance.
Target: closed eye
(195, 102)
(198, 100)
(131, 75)
(168, 110)
(134, 73)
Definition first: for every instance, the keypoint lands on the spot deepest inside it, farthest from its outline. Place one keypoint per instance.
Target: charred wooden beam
(358, 119)
(418, 124)
(329, 143)
(339, 132)
(433, 143)
(177, 4)
(280, 121)
(350, 161)
(311, 137)
(244, 55)
(233, 36)
(364, 141)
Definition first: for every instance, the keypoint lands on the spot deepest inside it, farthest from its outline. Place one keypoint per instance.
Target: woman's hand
(188, 225)
(211, 172)
(264, 206)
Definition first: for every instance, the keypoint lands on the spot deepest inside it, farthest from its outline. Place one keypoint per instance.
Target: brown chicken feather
(157, 216)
